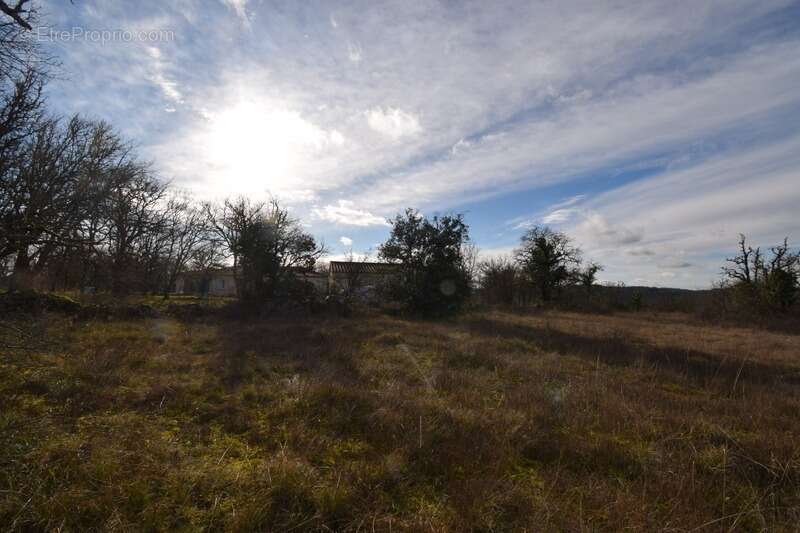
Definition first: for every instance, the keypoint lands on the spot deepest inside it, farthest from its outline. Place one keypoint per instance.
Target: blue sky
(652, 132)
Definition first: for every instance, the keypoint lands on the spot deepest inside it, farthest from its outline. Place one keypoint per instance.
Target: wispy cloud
(159, 77)
(437, 105)
(558, 216)
(689, 219)
(240, 8)
(598, 229)
(346, 214)
(394, 123)
(557, 213)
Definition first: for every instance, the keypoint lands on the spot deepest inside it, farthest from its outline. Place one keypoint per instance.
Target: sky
(653, 133)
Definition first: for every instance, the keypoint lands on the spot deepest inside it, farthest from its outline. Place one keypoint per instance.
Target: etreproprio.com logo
(102, 36)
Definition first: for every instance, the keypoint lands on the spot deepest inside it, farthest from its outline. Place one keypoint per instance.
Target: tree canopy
(547, 259)
(435, 278)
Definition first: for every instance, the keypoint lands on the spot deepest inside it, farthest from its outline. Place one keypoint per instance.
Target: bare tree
(186, 230)
(42, 199)
(266, 244)
(18, 13)
(499, 280)
(230, 221)
(206, 257)
(108, 155)
(21, 107)
(783, 258)
(770, 283)
(747, 264)
(471, 259)
(20, 112)
(130, 209)
(73, 197)
(147, 270)
(19, 50)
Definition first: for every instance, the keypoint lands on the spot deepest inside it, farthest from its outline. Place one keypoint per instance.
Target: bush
(500, 281)
(780, 289)
(33, 303)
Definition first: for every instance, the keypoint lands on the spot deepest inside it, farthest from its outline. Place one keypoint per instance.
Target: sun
(257, 146)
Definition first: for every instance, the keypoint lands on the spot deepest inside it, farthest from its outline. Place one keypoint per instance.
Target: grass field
(490, 422)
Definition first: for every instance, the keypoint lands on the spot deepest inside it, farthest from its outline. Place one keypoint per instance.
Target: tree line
(80, 209)
(440, 270)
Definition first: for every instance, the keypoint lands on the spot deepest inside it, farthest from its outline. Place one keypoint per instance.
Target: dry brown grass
(490, 422)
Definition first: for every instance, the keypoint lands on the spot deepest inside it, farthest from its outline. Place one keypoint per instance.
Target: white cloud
(336, 138)
(394, 123)
(170, 88)
(495, 252)
(460, 146)
(557, 213)
(346, 241)
(600, 230)
(158, 76)
(478, 101)
(689, 219)
(558, 216)
(240, 8)
(639, 118)
(572, 200)
(500, 116)
(345, 214)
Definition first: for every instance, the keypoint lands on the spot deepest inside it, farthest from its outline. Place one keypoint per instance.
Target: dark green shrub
(433, 279)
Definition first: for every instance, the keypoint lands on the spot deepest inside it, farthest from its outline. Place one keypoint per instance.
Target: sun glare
(261, 147)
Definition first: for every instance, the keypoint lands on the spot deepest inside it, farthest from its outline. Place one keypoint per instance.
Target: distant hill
(661, 298)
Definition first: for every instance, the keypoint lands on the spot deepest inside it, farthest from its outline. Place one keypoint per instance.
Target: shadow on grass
(320, 348)
(621, 351)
